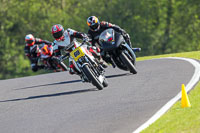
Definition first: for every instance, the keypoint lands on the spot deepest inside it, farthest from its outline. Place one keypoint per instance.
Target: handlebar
(85, 41)
(67, 54)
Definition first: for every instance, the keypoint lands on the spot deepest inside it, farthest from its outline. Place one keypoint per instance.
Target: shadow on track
(119, 75)
(72, 81)
(62, 93)
(59, 83)
(50, 95)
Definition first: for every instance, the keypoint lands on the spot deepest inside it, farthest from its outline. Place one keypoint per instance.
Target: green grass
(177, 119)
(194, 55)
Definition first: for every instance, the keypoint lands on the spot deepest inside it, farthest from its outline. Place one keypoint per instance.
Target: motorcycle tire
(105, 83)
(91, 76)
(129, 64)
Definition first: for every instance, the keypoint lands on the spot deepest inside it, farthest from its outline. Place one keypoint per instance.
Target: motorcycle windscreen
(118, 39)
(110, 40)
(106, 40)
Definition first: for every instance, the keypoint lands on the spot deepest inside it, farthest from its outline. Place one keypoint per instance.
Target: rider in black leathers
(31, 50)
(96, 28)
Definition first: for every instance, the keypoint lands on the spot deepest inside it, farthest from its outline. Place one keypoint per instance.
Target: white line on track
(167, 106)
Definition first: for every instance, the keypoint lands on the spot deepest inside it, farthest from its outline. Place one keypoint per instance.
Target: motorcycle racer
(65, 40)
(49, 60)
(31, 50)
(96, 28)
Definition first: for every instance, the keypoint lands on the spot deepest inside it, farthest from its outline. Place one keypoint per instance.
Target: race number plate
(77, 53)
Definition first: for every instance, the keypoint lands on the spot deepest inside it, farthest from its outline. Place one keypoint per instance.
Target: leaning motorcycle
(87, 65)
(49, 61)
(116, 51)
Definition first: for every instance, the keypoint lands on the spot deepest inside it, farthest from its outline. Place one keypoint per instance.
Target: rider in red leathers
(31, 50)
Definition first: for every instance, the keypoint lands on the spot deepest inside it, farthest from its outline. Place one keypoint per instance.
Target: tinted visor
(95, 26)
(58, 35)
(29, 41)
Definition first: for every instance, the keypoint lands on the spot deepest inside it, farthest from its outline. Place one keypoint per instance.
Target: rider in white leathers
(66, 39)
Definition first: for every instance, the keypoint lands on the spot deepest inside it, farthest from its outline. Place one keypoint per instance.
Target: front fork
(73, 63)
(131, 51)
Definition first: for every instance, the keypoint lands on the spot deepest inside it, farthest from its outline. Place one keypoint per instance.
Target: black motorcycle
(116, 51)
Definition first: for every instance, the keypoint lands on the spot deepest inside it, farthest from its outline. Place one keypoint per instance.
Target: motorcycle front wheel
(128, 63)
(92, 77)
(105, 83)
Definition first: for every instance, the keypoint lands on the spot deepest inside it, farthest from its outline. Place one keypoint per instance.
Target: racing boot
(103, 63)
(136, 49)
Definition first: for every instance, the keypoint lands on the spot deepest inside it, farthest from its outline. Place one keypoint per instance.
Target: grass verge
(177, 119)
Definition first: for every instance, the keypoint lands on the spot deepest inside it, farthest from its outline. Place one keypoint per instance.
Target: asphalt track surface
(61, 103)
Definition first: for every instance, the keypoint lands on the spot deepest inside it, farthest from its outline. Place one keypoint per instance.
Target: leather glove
(127, 36)
(86, 39)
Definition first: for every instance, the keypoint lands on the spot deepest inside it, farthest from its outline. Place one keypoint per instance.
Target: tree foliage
(158, 27)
